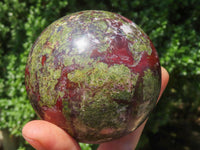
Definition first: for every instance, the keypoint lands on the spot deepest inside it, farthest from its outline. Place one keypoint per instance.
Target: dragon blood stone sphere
(95, 74)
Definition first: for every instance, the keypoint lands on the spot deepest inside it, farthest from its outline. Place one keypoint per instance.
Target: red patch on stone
(44, 58)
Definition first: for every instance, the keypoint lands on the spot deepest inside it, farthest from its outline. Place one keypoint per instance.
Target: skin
(35, 132)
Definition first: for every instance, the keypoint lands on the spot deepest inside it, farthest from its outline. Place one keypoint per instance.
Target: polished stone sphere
(95, 74)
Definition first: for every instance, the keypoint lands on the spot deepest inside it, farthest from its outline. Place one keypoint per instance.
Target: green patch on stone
(102, 84)
(68, 61)
(150, 85)
(46, 51)
(100, 25)
(77, 76)
(67, 113)
(141, 46)
(82, 60)
(100, 112)
(114, 79)
(47, 83)
(141, 43)
(66, 109)
(47, 79)
(100, 75)
(122, 95)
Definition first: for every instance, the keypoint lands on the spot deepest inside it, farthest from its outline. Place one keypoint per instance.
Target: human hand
(43, 135)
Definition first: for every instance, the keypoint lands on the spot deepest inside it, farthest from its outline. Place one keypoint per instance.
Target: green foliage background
(172, 25)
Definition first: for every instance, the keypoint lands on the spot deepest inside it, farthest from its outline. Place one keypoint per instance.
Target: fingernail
(37, 145)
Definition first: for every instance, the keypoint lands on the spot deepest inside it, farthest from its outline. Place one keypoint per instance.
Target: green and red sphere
(95, 74)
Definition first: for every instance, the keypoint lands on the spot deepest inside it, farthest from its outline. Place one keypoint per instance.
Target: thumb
(43, 135)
